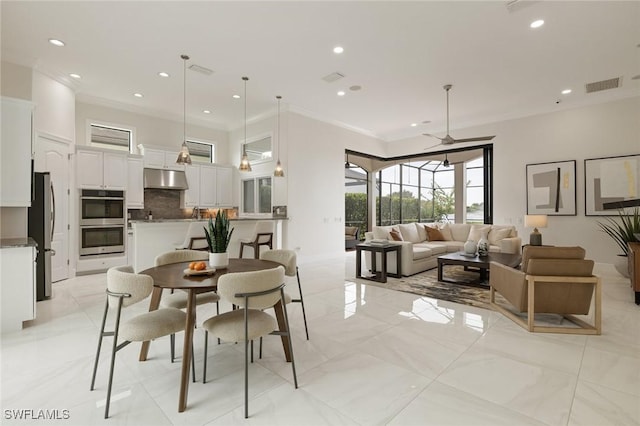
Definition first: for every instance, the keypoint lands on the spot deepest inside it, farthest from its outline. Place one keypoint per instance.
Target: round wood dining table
(172, 276)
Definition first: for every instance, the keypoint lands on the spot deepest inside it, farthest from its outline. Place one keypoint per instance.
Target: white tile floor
(375, 357)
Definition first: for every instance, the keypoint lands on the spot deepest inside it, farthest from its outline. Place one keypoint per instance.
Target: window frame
(256, 196)
(212, 144)
(116, 126)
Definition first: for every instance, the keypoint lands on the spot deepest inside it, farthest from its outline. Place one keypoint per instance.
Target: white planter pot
(219, 260)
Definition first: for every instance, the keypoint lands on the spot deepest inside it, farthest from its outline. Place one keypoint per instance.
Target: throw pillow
(498, 234)
(433, 234)
(445, 230)
(477, 231)
(395, 235)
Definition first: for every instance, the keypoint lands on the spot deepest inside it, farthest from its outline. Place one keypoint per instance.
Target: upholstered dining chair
(178, 300)
(124, 288)
(288, 259)
(252, 292)
(262, 236)
(195, 238)
(552, 280)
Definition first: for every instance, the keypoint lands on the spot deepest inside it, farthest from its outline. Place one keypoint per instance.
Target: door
(52, 155)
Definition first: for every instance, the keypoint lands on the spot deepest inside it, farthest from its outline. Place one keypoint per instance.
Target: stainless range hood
(165, 179)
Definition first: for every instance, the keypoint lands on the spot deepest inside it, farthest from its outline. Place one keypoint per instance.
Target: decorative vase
(219, 260)
(470, 247)
(483, 246)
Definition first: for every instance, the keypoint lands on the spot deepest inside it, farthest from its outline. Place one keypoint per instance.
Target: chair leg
(304, 314)
(173, 347)
(95, 364)
(260, 353)
(204, 364)
(246, 361)
(113, 359)
(193, 363)
(288, 332)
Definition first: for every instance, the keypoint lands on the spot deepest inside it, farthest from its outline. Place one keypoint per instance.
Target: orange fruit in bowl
(200, 266)
(192, 266)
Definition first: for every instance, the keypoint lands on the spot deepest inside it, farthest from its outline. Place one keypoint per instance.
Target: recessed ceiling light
(338, 49)
(56, 42)
(206, 111)
(414, 124)
(76, 76)
(341, 93)
(566, 91)
(138, 95)
(163, 74)
(236, 96)
(537, 23)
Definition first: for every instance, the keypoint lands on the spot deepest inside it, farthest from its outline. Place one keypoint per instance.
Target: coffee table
(480, 263)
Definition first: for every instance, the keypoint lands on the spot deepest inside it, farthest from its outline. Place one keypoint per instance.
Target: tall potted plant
(218, 237)
(623, 233)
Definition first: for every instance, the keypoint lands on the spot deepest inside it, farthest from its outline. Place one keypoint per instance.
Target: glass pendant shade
(245, 166)
(279, 171)
(183, 155)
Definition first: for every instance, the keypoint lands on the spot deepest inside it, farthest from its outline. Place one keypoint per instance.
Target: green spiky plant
(219, 233)
(622, 232)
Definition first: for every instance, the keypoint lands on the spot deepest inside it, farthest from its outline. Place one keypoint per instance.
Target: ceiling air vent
(334, 76)
(201, 70)
(597, 86)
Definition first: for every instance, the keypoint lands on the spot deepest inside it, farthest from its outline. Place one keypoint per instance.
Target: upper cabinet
(209, 187)
(158, 159)
(101, 169)
(135, 182)
(16, 147)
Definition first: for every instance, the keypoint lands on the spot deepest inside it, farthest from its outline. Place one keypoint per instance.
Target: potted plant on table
(218, 237)
(623, 233)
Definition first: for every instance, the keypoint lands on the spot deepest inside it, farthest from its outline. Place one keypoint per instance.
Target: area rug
(427, 284)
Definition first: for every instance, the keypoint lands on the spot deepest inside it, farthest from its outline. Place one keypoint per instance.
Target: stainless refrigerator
(42, 219)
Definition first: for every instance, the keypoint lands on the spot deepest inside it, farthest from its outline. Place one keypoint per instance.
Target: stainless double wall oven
(103, 226)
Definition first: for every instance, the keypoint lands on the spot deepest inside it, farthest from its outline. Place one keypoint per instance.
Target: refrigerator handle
(53, 210)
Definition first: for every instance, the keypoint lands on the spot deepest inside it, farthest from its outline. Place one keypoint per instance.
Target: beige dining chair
(124, 288)
(288, 259)
(262, 236)
(178, 300)
(252, 292)
(195, 238)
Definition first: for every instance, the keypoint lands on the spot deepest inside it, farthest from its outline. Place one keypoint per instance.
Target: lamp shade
(535, 221)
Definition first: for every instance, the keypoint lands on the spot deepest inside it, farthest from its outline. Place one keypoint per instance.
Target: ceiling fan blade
(479, 138)
(432, 146)
(433, 136)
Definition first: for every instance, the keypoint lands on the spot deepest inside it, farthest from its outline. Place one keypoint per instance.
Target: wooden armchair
(555, 280)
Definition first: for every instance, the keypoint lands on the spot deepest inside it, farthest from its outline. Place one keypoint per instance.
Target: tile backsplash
(165, 204)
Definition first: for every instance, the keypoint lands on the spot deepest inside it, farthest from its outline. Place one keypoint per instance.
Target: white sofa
(418, 254)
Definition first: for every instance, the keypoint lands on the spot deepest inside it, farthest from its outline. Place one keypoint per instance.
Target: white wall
(602, 130)
(150, 130)
(55, 107)
(316, 183)
(15, 81)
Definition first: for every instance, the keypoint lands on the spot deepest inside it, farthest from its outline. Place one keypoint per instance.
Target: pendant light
(244, 163)
(446, 160)
(279, 171)
(183, 155)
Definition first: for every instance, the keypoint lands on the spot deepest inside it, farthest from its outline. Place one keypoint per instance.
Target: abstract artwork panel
(611, 183)
(551, 188)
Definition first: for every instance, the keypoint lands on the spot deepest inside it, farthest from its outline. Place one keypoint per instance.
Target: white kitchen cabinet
(159, 159)
(135, 182)
(191, 197)
(16, 147)
(100, 169)
(224, 186)
(209, 187)
(18, 286)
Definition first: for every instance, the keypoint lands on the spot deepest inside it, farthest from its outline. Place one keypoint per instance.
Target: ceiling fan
(448, 140)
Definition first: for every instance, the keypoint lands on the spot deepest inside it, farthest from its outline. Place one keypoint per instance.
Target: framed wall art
(611, 183)
(551, 188)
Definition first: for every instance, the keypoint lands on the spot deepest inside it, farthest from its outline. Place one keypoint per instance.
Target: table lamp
(535, 221)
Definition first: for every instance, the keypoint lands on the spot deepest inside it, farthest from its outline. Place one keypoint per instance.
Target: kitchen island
(153, 237)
